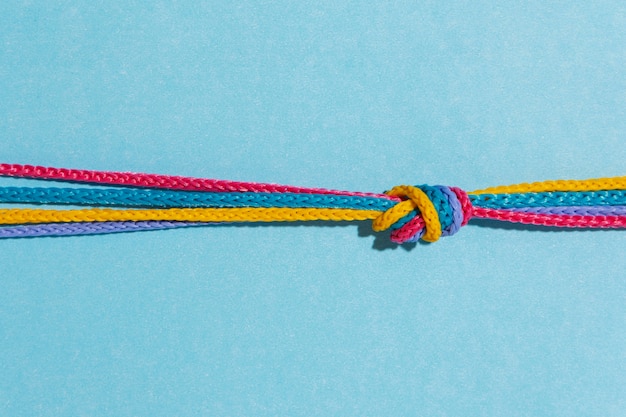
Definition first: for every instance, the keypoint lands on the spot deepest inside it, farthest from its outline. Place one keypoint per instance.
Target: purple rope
(94, 228)
(88, 228)
(576, 210)
(457, 211)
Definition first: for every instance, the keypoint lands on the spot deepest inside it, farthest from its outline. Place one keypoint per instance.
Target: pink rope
(602, 222)
(163, 181)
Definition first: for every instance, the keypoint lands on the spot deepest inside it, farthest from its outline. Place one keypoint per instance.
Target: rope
(409, 213)
(96, 228)
(248, 214)
(549, 199)
(614, 183)
(130, 179)
(577, 210)
(566, 220)
(168, 198)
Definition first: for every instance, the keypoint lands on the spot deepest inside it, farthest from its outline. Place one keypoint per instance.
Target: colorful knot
(426, 212)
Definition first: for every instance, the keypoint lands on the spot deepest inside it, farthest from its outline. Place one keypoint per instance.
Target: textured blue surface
(316, 320)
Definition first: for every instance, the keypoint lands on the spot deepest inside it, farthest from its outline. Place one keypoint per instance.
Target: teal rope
(148, 198)
(549, 199)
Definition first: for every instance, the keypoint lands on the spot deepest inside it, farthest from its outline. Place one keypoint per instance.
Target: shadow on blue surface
(381, 239)
(495, 224)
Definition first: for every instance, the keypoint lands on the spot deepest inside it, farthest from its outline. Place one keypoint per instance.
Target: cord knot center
(426, 212)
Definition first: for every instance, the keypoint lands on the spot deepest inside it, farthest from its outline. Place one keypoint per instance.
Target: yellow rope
(417, 199)
(614, 183)
(248, 214)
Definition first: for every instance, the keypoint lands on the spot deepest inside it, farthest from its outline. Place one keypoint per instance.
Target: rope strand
(247, 214)
(89, 228)
(177, 199)
(614, 183)
(172, 182)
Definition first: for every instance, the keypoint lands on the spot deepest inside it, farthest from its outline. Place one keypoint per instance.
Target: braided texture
(247, 214)
(549, 199)
(552, 220)
(175, 199)
(94, 228)
(156, 202)
(171, 182)
(614, 183)
(577, 210)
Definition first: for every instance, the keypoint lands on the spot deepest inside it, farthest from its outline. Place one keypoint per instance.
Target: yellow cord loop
(416, 199)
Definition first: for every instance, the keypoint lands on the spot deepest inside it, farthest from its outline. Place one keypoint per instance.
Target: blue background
(316, 320)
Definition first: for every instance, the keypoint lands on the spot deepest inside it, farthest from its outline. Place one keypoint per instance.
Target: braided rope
(549, 199)
(167, 198)
(539, 219)
(577, 210)
(130, 179)
(176, 199)
(94, 228)
(457, 211)
(614, 183)
(247, 214)
(409, 212)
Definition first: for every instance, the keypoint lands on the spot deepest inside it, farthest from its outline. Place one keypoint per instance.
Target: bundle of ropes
(119, 202)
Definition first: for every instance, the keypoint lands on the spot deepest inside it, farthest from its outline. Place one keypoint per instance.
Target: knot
(426, 212)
